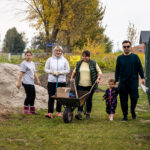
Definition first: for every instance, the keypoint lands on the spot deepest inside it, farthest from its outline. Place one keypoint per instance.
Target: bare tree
(132, 33)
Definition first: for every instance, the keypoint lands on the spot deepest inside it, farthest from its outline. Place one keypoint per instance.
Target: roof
(144, 36)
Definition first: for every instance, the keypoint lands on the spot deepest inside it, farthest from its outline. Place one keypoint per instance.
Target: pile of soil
(10, 96)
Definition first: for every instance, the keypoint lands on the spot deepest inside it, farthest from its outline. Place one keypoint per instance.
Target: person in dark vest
(128, 69)
(86, 73)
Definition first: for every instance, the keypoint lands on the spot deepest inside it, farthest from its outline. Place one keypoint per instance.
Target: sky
(119, 13)
(116, 19)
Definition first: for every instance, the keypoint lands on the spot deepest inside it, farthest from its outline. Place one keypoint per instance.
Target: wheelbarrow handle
(92, 87)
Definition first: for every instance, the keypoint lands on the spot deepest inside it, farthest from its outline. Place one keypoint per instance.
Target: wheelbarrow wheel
(68, 115)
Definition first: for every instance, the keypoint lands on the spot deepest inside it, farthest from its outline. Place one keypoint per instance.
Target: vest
(93, 72)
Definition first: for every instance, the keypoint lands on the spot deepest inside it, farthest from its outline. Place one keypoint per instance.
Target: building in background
(144, 38)
(0, 44)
(139, 48)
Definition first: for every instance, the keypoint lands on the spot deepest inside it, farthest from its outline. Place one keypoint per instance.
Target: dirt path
(105, 78)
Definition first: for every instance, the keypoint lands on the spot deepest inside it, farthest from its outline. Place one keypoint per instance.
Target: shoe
(134, 116)
(88, 116)
(49, 115)
(124, 119)
(26, 110)
(78, 116)
(59, 114)
(111, 117)
(32, 110)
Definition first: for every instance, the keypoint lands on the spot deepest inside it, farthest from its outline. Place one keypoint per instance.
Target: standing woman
(27, 75)
(86, 73)
(57, 67)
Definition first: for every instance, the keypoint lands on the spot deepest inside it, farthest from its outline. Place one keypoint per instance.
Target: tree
(109, 44)
(13, 41)
(85, 23)
(39, 41)
(48, 15)
(132, 33)
(67, 21)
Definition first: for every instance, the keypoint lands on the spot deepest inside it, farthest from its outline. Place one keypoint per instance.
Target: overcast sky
(120, 12)
(117, 16)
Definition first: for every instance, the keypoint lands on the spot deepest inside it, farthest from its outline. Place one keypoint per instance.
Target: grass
(15, 59)
(21, 132)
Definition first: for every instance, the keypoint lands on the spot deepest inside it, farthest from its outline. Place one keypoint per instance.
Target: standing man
(128, 69)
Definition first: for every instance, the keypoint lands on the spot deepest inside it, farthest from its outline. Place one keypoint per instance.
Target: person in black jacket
(128, 69)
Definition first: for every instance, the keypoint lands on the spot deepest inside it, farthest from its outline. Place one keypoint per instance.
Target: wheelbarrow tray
(72, 101)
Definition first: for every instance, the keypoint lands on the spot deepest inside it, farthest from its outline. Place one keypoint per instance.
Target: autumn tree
(85, 23)
(48, 15)
(70, 22)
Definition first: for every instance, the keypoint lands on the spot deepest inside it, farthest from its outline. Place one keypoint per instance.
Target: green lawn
(22, 132)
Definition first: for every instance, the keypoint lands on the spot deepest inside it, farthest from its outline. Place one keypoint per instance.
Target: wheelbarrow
(70, 103)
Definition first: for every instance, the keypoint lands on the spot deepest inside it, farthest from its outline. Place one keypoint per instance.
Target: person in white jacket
(57, 67)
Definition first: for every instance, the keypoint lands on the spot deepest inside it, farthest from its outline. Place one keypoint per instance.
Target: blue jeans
(89, 100)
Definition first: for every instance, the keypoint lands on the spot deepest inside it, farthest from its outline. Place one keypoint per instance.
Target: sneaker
(78, 116)
(124, 119)
(59, 114)
(49, 115)
(111, 117)
(134, 116)
(88, 116)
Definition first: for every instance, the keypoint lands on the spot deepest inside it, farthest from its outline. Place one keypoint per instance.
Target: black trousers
(51, 91)
(30, 94)
(124, 92)
(89, 100)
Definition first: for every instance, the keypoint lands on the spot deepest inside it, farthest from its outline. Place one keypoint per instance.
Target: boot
(26, 110)
(32, 110)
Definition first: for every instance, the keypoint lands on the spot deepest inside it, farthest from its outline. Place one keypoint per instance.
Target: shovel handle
(75, 88)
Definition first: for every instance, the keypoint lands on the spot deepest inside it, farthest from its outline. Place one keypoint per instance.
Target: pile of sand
(10, 96)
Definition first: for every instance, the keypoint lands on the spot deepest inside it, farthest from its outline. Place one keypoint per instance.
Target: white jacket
(54, 64)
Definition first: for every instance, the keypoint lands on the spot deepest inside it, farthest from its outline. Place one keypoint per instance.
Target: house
(144, 38)
(139, 48)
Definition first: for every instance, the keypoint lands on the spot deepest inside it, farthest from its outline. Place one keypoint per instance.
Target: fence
(16, 58)
(147, 68)
(11, 58)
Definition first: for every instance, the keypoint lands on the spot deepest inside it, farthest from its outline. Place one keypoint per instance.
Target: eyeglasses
(58, 50)
(126, 46)
(85, 56)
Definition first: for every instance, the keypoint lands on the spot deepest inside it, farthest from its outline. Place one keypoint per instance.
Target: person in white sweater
(57, 67)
